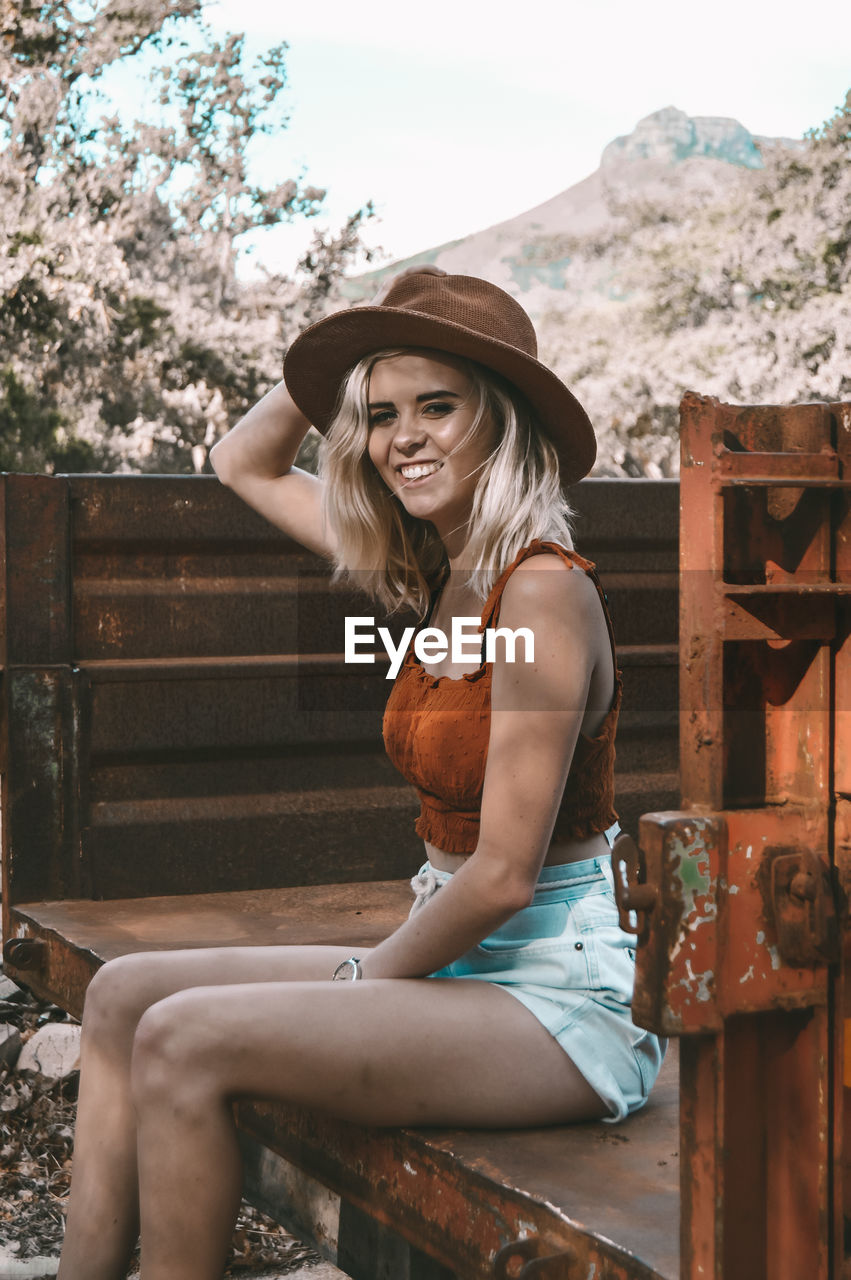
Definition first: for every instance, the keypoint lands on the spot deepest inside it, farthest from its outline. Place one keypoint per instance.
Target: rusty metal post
(841, 1057)
(740, 948)
(39, 692)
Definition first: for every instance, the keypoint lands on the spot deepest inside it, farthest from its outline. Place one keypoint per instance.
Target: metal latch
(522, 1261)
(630, 894)
(799, 896)
(24, 953)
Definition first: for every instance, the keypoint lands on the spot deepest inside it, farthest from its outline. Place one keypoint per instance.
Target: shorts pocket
(543, 922)
(540, 947)
(610, 951)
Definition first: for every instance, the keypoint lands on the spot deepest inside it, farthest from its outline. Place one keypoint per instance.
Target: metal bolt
(803, 887)
(521, 1261)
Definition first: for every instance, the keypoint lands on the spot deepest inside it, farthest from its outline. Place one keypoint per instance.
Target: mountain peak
(671, 136)
(688, 160)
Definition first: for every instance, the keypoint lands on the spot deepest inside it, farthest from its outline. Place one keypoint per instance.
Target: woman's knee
(117, 996)
(173, 1054)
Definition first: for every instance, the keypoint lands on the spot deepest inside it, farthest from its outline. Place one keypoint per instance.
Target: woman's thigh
(387, 1052)
(123, 988)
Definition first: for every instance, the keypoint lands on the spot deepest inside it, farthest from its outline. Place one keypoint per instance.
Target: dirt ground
(36, 1138)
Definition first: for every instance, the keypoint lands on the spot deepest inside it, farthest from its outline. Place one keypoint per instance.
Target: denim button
(578, 946)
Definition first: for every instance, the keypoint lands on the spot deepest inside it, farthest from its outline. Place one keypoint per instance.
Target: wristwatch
(347, 970)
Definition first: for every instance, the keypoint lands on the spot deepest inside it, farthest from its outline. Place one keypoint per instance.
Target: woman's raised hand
(256, 458)
(425, 269)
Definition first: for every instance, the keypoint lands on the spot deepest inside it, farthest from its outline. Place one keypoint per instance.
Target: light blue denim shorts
(567, 959)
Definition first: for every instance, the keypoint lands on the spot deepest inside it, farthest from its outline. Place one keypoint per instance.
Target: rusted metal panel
(701, 1141)
(800, 898)
(755, 976)
(230, 709)
(755, 1150)
(629, 529)
(775, 616)
(840, 1059)
(243, 842)
(173, 617)
(842, 564)
(54, 970)
(610, 1194)
(241, 775)
(841, 1047)
(461, 1197)
(777, 722)
(171, 568)
(747, 544)
(701, 714)
(42, 789)
(711, 943)
(798, 725)
(79, 935)
(3, 572)
(361, 1247)
(37, 587)
(794, 1081)
(204, 734)
(677, 963)
(626, 522)
(219, 740)
(111, 512)
(756, 699)
(764, 622)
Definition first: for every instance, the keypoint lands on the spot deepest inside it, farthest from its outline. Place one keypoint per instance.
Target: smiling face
(422, 407)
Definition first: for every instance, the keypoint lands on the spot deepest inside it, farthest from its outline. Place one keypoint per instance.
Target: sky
(452, 115)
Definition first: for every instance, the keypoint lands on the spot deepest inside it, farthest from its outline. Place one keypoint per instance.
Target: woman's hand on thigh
(124, 988)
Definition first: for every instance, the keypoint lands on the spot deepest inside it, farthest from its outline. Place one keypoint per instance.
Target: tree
(747, 298)
(127, 338)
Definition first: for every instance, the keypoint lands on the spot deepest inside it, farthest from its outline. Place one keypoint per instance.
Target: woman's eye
(382, 416)
(439, 406)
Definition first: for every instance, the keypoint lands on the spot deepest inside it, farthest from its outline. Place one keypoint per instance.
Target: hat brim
(322, 355)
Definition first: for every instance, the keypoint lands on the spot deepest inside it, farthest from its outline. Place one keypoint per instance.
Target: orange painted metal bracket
(730, 920)
(801, 899)
(677, 960)
(740, 952)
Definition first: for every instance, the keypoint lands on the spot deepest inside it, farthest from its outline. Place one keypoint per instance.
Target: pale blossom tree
(127, 339)
(748, 298)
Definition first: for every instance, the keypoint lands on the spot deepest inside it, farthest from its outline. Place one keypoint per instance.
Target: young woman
(505, 998)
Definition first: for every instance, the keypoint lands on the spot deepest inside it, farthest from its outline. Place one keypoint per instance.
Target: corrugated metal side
(629, 529)
(178, 712)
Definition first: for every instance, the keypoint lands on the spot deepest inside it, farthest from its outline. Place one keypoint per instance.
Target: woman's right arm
(255, 459)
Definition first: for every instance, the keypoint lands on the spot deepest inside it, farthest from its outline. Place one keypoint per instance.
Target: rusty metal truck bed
(187, 761)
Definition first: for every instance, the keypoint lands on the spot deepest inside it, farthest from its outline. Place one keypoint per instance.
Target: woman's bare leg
(386, 1052)
(103, 1212)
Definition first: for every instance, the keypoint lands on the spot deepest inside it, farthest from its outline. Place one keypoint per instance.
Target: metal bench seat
(422, 1203)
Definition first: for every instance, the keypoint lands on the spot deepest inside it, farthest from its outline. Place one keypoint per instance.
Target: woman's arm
(536, 715)
(255, 459)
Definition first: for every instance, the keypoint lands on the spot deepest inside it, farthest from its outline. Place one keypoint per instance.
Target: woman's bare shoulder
(546, 582)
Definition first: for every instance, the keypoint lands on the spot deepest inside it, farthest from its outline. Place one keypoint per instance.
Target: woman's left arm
(536, 715)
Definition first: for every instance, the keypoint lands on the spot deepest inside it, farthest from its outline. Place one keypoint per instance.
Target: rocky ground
(38, 1090)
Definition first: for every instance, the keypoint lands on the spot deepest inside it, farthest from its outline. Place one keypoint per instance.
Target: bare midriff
(559, 852)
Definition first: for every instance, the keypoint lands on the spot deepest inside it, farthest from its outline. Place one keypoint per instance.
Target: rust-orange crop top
(436, 731)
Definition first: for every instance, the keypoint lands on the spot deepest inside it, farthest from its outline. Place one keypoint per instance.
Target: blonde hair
(397, 558)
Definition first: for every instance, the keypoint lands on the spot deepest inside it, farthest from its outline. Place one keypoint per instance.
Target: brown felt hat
(461, 315)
